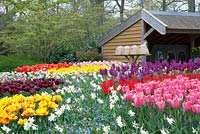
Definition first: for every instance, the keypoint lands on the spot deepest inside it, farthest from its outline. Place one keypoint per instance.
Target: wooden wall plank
(130, 36)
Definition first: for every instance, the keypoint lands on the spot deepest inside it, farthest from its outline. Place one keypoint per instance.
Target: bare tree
(164, 6)
(191, 5)
(6, 7)
(121, 9)
(199, 6)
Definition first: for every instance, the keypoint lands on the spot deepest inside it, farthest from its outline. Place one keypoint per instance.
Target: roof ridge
(172, 13)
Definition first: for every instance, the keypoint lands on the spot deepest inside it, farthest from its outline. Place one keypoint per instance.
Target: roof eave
(154, 22)
(183, 31)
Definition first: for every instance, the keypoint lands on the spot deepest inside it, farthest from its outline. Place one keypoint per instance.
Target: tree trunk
(164, 6)
(142, 4)
(57, 7)
(122, 11)
(199, 7)
(101, 11)
(75, 5)
(6, 7)
(191, 5)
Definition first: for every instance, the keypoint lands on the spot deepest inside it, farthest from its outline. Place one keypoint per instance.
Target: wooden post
(143, 32)
(192, 44)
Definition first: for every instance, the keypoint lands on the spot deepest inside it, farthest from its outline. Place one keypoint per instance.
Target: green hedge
(9, 63)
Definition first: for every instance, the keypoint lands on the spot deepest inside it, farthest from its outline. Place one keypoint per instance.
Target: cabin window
(170, 56)
(181, 56)
(159, 55)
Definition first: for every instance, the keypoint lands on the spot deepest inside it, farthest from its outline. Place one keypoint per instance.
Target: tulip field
(101, 98)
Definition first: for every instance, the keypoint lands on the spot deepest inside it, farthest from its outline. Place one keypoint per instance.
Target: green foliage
(9, 63)
(90, 55)
(63, 54)
(38, 28)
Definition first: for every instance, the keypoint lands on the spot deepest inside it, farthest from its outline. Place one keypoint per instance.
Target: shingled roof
(176, 20)
(162, 21)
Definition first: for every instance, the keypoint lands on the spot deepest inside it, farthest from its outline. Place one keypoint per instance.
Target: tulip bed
(101, 97)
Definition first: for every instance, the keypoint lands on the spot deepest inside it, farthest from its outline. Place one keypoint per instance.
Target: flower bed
(19, 106)
(39, 67)
(102, 97)
(29, 86)
(177, 92)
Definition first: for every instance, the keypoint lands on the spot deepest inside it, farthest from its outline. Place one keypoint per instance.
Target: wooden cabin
(170, 35)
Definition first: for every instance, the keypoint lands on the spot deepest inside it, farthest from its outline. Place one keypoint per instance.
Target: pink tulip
(160, 105)
(167, 96)
(125, 89)
(128, 96)
(175, 102)
(158, 98)
(138, 101)
(138, 88)
(196, 108)
(147, 90)
(187, 105)
(171, 91)
(149, 99)
(198, 101)
(191, 98)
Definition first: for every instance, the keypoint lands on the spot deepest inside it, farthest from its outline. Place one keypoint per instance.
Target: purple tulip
(113, 72)
(103, 71)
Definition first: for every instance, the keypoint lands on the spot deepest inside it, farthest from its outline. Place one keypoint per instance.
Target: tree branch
(118, 3)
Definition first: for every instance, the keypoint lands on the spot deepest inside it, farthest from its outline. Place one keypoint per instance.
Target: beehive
(126, 50)
(142, 49)
(133, 50)
(119, 50)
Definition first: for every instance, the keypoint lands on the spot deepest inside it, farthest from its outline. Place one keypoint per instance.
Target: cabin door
(169, 52)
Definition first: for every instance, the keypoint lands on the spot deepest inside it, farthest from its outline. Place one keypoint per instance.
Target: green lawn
(9, 63)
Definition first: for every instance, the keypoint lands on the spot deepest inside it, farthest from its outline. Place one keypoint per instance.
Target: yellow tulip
(22, 121)
(42, 112)
(28, 112)
(10, 107)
